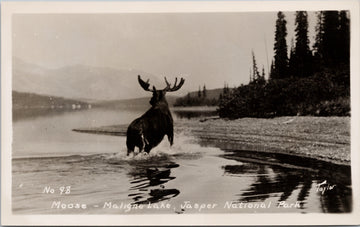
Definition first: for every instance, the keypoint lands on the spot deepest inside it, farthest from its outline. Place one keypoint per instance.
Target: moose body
(147, 131)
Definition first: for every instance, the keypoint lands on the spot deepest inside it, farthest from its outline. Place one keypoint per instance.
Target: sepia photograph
(139, 113)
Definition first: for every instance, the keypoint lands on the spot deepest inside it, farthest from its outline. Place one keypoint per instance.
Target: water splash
(185, 147)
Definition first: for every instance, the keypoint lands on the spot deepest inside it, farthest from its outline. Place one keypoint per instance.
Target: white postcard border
(10, 8)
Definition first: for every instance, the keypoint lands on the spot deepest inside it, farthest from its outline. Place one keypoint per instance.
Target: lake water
(58, 171)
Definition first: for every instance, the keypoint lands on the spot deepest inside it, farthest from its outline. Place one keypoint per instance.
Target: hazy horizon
(204, 48)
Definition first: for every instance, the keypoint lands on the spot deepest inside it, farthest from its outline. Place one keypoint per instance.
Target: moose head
(148, 131)
(158, 97)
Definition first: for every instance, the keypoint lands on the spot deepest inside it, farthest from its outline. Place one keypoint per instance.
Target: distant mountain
(23, 100)
(80, 82)
(30, 105)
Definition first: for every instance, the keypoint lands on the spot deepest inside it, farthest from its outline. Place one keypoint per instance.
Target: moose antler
(175, 87)
(145, 85)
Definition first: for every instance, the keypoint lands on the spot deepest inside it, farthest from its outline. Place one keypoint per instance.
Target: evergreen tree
(204, 91)
(280, 48)
(330, 38)
(332, 43)
(262, 77)
(255, 71)
(301, 59)
(323, 92)
(292, 61)
(188, 99)
(263, 73)
(272, 70)
(199, 93)
(344, 37)
(318, 45)
(251, 75)
(226, 89)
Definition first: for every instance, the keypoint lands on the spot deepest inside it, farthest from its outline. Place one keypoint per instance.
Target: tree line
(197, 99)
(306, 81)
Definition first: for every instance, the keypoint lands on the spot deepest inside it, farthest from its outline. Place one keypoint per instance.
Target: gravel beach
(322, 138)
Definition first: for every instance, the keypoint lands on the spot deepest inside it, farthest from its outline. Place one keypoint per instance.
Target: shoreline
(321, 138)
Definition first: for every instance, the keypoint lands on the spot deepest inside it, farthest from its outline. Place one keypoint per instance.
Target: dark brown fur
(147, 131)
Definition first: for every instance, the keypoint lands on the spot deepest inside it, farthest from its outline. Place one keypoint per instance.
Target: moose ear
(154, 89)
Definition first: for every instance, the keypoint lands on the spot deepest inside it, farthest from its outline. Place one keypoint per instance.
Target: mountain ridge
(79, 81)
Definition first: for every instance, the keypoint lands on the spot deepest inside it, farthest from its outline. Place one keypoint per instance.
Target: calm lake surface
(58, 171)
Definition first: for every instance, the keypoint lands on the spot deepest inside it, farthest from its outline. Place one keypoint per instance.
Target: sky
(204, 48)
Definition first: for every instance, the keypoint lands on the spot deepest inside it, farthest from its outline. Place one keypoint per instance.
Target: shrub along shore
(322, 138)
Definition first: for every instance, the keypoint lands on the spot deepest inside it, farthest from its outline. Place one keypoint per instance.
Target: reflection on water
(99, 171)
(152, 179)
(32, 113)
(288, 178)
(148, 183)
(148, 177)
(272, 180)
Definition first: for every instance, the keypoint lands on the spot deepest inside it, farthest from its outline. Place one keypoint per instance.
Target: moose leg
(147, 148)
(171, 139)
(133, 141)
(130, 145)
(130, 148)
(140, 143)
(170, 136)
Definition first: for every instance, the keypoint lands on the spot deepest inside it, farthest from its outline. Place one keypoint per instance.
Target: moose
(147, 131)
